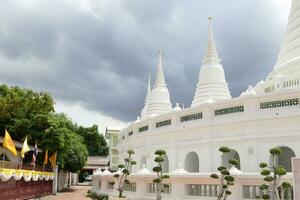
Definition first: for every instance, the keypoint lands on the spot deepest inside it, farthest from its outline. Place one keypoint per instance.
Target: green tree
(95, 142)
(61, 136)
(24, 112)
(28, 113)
(224, 176)
(122, 178)
(160, 186)
(274, 187)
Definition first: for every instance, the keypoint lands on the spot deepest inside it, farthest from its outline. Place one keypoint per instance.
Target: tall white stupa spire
(212, 85)
(288, 63)
(147, 99)
(160, 77)
(159, 101)
(211, 56)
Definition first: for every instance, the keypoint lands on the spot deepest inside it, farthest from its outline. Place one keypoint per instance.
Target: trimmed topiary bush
(160, 186)
(224, 177)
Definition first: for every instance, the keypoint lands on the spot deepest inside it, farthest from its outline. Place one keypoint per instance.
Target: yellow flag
(9, 144)
(46, 157)
(25, 148)
(52, 159)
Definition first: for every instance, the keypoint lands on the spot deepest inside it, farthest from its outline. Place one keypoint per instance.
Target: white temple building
(264, 116)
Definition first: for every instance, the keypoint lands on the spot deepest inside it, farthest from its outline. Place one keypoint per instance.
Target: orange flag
(9, 144)
(52, 159)
(46, 157)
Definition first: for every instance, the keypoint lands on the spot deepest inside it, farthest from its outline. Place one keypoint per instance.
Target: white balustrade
(186, 187)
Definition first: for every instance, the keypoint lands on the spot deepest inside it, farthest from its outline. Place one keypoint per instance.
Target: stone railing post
(54, 182)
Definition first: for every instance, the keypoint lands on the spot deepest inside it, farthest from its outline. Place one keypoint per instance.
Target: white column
(54, 182)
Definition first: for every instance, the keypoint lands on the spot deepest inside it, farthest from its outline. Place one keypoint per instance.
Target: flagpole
(3, 158)
(21, 164)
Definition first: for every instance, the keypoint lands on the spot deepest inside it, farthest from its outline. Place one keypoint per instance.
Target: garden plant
(160, 186)
(225, 178)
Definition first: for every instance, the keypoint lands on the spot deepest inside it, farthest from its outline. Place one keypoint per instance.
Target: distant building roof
(111, 131)
(20, 144)
(95, 162)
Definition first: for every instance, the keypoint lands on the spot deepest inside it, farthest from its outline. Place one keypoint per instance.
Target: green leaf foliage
(234, 162)
(228, 192)
(224, 149)
(130, 152)
(268, 178)
(281, 171)
(166, 176)
(225, 172)
(229, 178)
(265, 172)
(286, 185)
(159, 159)
(157, 169)
(156, 180)
(263, 165)
(214, 176)
(221, 168)
(133, 162)
(121, 166)
(160, 152)
(26, 113)
(111, 183)
(266, 196)
(263, 187)
(94, 141)
(276, 151)
(116, 175)
(125, 171)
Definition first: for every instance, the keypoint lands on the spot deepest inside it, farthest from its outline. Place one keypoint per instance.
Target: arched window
(285, 159)
(165, 167)
(192, 162)
(231, 155)
(143, 162)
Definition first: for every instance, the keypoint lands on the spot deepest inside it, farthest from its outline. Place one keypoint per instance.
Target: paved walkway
(75, 193)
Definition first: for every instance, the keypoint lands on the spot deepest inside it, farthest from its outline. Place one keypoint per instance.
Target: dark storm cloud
(100, 52)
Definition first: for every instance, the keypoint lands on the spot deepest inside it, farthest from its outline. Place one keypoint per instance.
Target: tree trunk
(120, 193)
(158, 193)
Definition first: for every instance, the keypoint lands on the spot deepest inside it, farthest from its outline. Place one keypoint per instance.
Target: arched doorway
(192, 162)
(285, 159)
(231, 155)
(165, 167)
(143, 162)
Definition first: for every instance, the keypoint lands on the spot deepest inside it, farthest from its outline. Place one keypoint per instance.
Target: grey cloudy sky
(96, 54)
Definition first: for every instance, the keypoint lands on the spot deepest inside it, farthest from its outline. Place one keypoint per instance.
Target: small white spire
(160, 78)
(211, 56)
(148, 90)
(159, 102)
(212, 85)
(147, 99)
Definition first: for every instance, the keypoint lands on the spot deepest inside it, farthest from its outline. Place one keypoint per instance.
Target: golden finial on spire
(210, 18)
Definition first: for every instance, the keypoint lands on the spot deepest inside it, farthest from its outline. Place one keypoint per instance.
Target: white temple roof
(177, 107)
(235, 171)
(249, 91)
(106, 172)
(143, 171)
(179, 170)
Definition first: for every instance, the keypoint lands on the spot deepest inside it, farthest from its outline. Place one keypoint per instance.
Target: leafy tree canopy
(95, 142)
(26, 113)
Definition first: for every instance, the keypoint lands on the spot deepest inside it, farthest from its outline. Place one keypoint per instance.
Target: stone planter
(117, 198)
